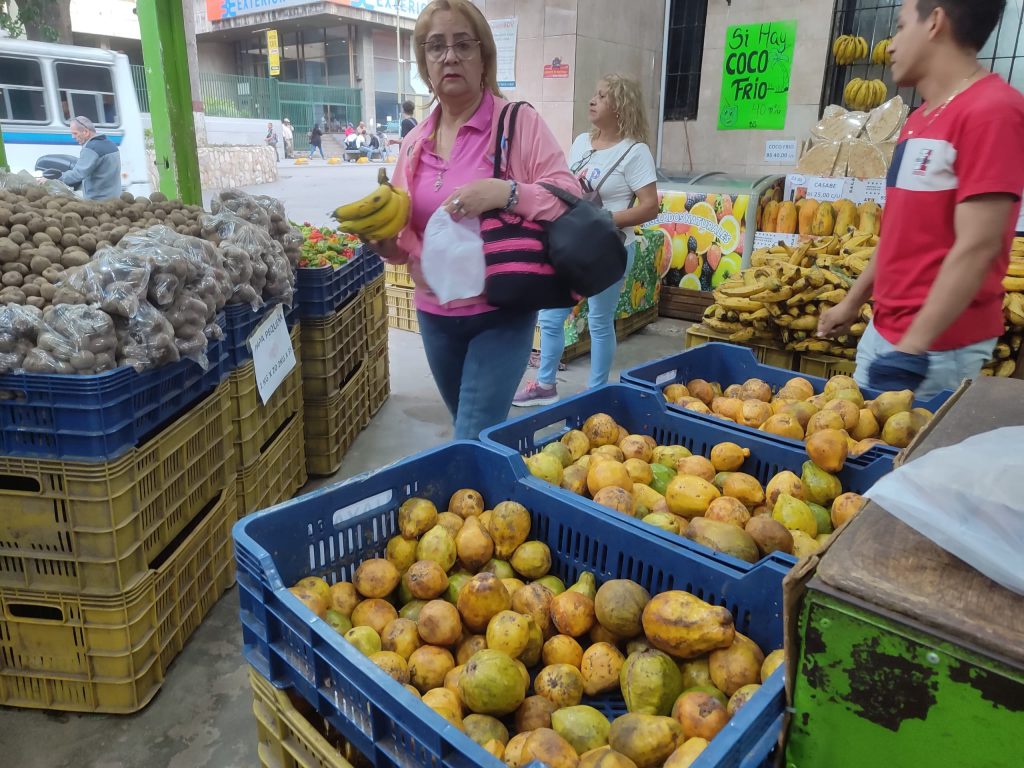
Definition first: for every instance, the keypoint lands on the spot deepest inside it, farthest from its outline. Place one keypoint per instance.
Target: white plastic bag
(969, 499)
(453, 257)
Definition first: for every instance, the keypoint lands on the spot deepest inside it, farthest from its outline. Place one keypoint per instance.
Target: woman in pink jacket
(477, 353)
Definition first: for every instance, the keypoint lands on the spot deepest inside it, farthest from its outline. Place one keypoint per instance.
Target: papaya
(805, 219)
(845, 215)
(824, 220)
(770, 217)
(787, 218)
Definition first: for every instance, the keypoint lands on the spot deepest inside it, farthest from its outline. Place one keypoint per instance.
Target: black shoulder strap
(504, 136)
(608, 173)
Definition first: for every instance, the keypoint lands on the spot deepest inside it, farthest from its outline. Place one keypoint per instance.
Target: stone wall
(221, 167)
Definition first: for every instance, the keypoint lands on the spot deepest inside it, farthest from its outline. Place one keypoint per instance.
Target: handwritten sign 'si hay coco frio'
(755, 76)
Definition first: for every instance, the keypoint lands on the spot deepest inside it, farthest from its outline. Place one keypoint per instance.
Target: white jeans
(945, 369)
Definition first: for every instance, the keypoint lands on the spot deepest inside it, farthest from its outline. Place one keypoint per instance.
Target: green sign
(755, 76)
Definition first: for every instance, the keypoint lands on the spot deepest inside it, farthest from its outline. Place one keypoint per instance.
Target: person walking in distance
(99, 164)
(408, 121)
(477, 353)
(288, 136)
(316, 141)
(271, 140)
(614, 158)
(952, 200)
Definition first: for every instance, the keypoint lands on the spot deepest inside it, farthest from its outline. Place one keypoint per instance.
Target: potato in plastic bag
(19, 327)
(145, 340)
(73, 339)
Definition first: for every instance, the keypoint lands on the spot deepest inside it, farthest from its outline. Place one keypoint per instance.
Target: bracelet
(513, 196)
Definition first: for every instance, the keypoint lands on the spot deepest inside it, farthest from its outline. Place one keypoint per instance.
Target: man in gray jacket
(99, 164)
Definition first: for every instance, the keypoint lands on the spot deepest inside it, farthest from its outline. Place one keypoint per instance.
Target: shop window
(685, 52)
(21, 91)
(875, 20)
(88, 91)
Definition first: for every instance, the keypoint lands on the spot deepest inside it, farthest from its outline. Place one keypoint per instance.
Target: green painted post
(3, 152)
(170, 98)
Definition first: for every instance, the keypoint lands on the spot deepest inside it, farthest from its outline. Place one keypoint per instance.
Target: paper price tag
(780, 151)
(822, 188)
(868, 189)
(768, 239)
(272, 354)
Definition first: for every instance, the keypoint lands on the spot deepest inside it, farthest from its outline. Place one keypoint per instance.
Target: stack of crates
(268, 437)
(401, 308)
(345, 377)
(110, 561)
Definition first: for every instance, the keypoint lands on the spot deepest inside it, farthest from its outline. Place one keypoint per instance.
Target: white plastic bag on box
(969, 499)
(453, 257)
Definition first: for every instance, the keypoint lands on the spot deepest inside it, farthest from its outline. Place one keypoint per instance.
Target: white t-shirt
(633, 173)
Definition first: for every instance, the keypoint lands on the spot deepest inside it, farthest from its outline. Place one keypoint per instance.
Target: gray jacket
(98, 168)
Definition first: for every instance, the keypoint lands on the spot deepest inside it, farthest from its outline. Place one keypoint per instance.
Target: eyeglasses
(464, 49)
(580, 164)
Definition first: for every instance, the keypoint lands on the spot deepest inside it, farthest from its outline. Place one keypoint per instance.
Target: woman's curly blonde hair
(628, 101)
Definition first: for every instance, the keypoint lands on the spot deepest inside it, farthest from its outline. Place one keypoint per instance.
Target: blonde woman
(616, 148)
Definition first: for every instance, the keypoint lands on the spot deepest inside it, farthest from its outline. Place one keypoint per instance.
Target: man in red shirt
(952, 202)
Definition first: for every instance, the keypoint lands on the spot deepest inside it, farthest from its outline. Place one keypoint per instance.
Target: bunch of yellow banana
(864, 95)
(880, 53)
(380, 215)
(847, 49)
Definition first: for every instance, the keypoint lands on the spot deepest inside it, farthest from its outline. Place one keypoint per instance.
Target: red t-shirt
(974, 146)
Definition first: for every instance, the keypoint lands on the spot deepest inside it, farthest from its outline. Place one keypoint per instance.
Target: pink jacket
(534, 157)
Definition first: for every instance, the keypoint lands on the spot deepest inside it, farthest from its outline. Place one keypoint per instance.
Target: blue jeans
(601, 324)
(313, 148)
(946, 370)
(477, 362)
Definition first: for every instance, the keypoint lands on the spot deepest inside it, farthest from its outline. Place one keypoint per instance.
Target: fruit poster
(758, 61)
(704, 238)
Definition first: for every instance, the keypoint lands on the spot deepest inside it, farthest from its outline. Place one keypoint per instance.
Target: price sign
(868, 189)
(823, 188)
(272, 354)
(755, 76)
(780, 152)
(768, 239)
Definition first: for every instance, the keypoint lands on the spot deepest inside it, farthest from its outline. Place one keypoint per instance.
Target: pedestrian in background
(477, 353)
(99, 164)
(271, 140)
(288, 136)
(951, 206)
(316, 142)
(408, 121)
(614, 158)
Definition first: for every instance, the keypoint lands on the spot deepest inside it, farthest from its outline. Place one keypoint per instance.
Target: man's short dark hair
(408, 107)
(972, 20)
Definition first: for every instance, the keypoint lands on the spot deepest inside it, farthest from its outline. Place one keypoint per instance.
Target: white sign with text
(272, 354)
(504, 32)
(782, 152)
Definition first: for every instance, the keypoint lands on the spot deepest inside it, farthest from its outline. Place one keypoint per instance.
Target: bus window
(88, 91)
(21, 91)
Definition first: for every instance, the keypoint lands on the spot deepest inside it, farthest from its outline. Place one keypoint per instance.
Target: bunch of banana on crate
(1004, 359)
(847, 254)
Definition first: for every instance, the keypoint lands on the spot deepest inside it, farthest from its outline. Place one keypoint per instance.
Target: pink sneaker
(535, 393)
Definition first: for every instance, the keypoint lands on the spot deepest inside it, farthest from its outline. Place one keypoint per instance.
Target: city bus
(44, 85)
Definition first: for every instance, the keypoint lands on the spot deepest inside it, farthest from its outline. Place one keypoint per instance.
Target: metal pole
(165, 55)
(398, 55)
(664, 80)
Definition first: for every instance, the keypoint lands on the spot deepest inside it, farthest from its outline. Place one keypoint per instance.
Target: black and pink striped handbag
(518, 272)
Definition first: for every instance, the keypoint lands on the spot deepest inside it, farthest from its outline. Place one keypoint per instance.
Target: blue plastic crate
(643, 412)
(242, 321)
(373, 267)
(101, 416)
(329, 532)
(319, 291)
(732, 364)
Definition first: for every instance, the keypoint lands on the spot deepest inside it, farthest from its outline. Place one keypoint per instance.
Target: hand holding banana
(381, 215)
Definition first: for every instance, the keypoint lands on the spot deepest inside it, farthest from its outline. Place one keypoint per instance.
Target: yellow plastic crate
(75, 653)
(332, 348)
(398, 275)
(96, 528)
(286, 732)
(375, 307)
(332, 425)
(378, 378)
(402, 309)
(278, 473)
(255, 423)
(769, 355)
(826, 366)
